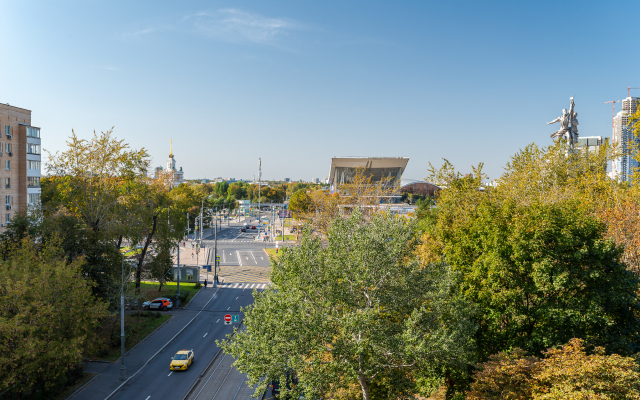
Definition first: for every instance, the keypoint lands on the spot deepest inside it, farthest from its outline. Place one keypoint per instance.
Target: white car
(161, 303)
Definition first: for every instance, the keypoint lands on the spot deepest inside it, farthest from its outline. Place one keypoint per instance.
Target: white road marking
(252, 286)
(162, 348)
(150, 396)
(239, 258)
(224, 260)
(167, 375)
(205, 335)
(254, 258)
(237, 297)
(262, 258)
(218, 320)
(228, 308)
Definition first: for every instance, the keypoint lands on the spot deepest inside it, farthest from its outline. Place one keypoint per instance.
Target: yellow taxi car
(182, 360)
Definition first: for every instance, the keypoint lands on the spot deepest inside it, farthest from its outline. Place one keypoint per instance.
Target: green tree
(360, 311)
(221, 188)
(90, 174)
(47, 317)
(542, 274)
(299, 203)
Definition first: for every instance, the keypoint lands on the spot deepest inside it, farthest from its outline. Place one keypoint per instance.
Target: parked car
(253, 227)
(182, 360)
(243, 229)
(161, 303)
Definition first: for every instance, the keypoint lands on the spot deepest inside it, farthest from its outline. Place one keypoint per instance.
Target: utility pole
(201, 222)
(215, 254)
(259, 195)
(123, 368)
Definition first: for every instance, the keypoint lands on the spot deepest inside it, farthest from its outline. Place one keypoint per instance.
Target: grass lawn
(149, 290)
(136, 327)
(286, 237)
(129, 252)
(272, 253)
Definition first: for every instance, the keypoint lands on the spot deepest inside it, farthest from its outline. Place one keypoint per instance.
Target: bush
(564, 373)
(198, 285)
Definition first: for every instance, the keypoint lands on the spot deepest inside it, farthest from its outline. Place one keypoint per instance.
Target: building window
(34, 198)
(6, 218)
(33, 181)
(7, 182)
(8, 147)
(33, 132)
(7, 199)
(7, 165)
(31, 164)
(33, 148)
(7, 130)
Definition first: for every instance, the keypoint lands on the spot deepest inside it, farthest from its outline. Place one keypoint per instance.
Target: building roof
(368, 163)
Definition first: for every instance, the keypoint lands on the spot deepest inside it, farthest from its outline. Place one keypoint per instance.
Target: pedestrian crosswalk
(244, 285)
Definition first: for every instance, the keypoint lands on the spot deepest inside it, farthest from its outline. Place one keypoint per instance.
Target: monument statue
(568, 125)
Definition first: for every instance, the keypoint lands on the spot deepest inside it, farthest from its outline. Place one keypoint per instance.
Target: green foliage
(47, 317)
(221, 188)
(543, 274)
(299, 202)
(357, 312)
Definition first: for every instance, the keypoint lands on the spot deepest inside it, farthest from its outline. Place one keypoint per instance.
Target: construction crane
(629, 90)
(613, 115)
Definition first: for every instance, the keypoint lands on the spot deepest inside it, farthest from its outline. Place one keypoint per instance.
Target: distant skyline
(296, 83)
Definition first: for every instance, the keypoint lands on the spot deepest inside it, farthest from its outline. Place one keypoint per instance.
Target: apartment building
(20, 157)
(623, 168)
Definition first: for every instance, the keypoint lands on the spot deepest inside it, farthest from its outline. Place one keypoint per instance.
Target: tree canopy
(358, 312)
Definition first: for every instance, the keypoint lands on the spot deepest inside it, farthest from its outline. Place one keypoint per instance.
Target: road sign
(217, 258)
(227, 319)
(207, 267)
(236, 318)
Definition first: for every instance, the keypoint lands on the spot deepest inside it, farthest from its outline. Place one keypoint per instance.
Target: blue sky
(297, 82)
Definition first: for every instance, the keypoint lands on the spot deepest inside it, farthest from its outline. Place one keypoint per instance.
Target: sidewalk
(188, 255)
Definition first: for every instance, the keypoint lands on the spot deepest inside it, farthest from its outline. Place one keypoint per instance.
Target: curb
(83, 386)
(146, 337)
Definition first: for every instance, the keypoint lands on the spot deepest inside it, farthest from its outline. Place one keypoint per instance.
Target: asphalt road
(156, 381)
(203, 323)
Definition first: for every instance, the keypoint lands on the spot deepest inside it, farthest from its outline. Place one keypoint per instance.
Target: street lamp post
(123, 368)
(215, 254)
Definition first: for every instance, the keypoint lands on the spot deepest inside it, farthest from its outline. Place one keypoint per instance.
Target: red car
(253, 227)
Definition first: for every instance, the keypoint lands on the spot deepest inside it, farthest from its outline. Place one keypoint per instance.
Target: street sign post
(236, 318)
(227, 319)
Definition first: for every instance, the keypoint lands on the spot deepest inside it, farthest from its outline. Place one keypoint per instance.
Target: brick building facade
(20, 162)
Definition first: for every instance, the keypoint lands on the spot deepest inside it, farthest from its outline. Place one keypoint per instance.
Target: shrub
(566, 373)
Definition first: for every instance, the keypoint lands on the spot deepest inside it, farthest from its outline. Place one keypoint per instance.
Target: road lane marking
(218, 320)
(206, 334)
(239, 258)
(237, 297)
(224, 260)
(163, 347)
(228, 308)
(254, 258)
(167, 375)
(150, 396)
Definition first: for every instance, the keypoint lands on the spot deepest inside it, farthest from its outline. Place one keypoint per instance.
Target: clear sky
(297, 82)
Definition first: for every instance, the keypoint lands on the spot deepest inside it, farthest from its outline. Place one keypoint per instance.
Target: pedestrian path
(244, 285)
